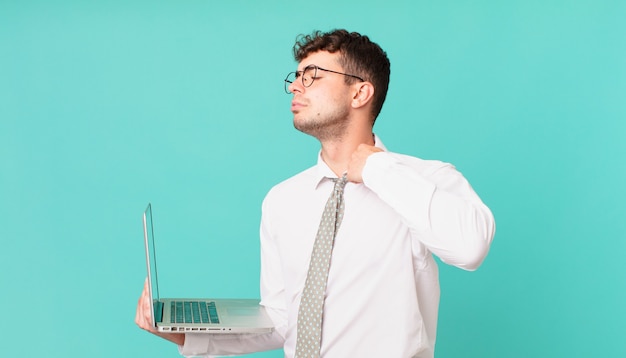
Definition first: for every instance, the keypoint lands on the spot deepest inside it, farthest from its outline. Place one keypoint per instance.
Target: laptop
(202, 315)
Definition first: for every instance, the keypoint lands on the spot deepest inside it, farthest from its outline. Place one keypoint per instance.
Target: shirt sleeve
(437, 203)
(214, 345)
(272, 298)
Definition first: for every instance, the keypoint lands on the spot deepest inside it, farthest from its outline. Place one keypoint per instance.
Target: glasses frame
(300, 74)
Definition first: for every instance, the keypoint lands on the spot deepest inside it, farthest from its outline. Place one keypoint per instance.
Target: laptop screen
(148, 232)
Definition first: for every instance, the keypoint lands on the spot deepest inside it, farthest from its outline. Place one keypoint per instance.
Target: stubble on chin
(331, 128)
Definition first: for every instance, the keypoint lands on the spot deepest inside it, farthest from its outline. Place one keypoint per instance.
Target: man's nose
(296, 85)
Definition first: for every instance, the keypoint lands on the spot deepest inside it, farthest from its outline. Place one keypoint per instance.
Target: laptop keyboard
(193, 312)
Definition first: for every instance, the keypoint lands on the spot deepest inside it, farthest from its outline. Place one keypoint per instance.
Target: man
(381, 293)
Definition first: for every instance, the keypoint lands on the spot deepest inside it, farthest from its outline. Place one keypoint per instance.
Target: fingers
(143, 315)
(359, 157)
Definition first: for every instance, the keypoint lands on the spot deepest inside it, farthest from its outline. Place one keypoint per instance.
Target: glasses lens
(309, 76)
(289, 80)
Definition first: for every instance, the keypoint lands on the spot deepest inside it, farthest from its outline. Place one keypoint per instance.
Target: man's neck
(337, 153)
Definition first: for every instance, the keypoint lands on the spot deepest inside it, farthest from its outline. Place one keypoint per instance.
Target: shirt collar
(324, 172)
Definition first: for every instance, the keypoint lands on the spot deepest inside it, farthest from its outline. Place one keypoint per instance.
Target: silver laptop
(199, 315)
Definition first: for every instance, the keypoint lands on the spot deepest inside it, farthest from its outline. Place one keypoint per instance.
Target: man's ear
(363, 94)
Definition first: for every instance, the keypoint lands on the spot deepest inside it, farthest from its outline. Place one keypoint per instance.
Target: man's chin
(304, 127)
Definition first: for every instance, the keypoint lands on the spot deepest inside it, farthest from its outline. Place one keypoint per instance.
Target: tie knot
(340, 183)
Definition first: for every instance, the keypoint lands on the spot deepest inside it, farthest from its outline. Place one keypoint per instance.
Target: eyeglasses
(308, 75)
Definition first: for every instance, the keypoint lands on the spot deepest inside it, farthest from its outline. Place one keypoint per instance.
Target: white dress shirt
(382, 294)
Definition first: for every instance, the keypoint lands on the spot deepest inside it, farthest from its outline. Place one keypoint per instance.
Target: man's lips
(295, 106)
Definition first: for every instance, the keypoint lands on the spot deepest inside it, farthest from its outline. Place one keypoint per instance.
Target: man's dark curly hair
(358, 56)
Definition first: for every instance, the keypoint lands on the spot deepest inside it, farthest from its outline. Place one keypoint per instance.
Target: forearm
(199, 344)
(436, 202)
(177, 338)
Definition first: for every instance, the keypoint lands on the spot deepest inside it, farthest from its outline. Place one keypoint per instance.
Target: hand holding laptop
(168, 318)
(143, 318)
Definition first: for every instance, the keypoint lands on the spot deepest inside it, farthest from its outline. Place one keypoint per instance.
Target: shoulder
(290, 187)
(384, 168)
(426, 167)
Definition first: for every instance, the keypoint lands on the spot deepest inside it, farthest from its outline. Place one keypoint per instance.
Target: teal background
(106, 105)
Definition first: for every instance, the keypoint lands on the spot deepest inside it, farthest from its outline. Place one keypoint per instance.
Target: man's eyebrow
(303, 67)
